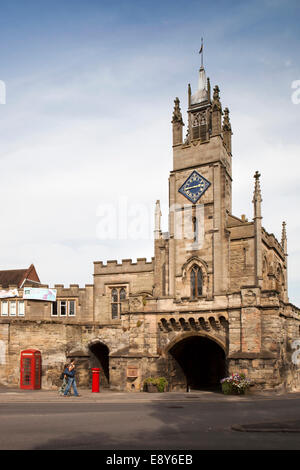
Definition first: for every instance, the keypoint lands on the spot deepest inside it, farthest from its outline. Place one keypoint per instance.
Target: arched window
(117, 295)
(122, 294)
(114, 295)
(114, 304)
(196, 281)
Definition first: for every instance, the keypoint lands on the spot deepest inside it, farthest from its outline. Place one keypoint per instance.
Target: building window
(54, 312)
(71, 308)
(117, 295)
(196, 282)
(12, 308)
(21, 308)
(63, 308)
(122, 294)
(4, 308)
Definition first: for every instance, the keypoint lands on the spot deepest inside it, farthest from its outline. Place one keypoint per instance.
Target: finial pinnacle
(177, 116)
(201, 53)
(257, 191)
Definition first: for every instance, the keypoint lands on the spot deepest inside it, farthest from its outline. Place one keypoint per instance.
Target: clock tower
(199, 197)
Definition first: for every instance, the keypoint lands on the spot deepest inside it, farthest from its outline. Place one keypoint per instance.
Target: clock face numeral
(194, 187)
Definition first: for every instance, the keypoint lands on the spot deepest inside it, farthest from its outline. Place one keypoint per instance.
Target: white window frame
(4, 314)
(21, 311)
(13, 313)
(66, 308)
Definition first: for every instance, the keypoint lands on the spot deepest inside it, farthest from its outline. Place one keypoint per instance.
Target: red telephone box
(31, 369)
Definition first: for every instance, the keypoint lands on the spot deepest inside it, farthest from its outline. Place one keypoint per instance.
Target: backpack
(62, 376)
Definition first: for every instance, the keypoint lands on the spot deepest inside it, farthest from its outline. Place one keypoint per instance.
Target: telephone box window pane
(72, 308)
(21, 308)
(26, 370)
(13, 308)
(4, 309)
(63, 308)
(37, 371)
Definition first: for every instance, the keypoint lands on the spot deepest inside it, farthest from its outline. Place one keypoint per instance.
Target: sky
(85, 130)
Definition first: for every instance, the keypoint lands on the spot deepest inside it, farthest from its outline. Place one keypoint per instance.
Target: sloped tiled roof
(16, 277)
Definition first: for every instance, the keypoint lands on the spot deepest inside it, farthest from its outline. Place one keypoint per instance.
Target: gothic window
(122, 294)
(196, 134)
(117, 295)
(196, 282)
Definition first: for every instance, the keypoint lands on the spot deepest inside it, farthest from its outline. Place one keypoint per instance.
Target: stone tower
(199, 194)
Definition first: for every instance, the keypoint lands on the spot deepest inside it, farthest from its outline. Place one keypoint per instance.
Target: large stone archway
(99, 357)
(196, 362)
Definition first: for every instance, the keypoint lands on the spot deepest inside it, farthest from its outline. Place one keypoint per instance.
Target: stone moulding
(251, 355)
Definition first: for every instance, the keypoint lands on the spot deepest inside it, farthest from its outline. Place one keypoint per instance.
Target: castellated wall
(135, 277)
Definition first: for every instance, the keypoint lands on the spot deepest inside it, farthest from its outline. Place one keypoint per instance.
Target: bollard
(96, 380)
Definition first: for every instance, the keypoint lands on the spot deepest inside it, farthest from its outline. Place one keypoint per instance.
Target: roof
(18, 277)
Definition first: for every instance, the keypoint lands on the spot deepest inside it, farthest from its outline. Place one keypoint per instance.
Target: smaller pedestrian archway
(99, 357)
(196, 362)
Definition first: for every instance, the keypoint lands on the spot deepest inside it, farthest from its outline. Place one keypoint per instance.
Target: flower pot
(152, 388)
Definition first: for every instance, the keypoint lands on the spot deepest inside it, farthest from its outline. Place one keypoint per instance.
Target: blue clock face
(194, 187)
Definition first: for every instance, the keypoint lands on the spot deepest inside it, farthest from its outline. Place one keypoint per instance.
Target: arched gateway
(195, 362)
(99, 357)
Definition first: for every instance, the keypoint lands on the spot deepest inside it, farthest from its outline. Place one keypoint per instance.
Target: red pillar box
(96, 379)
(30, 369)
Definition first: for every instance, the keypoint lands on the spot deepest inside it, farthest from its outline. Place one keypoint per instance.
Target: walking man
(70, 372)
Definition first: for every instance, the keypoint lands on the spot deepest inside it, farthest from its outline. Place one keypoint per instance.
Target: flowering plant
(235, 383)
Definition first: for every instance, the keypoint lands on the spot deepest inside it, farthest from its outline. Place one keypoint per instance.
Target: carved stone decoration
(250, 297)
(216, 104)
(135, 304)
(177, 116)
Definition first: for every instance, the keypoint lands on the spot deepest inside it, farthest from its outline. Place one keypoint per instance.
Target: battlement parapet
(126, 266)
(73, 290)
(272, 242)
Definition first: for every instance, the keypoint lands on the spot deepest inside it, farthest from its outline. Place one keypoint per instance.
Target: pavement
(17, 395)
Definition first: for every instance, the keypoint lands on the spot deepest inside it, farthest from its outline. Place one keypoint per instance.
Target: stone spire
(257, 199)
(177, 123)
(201, 94)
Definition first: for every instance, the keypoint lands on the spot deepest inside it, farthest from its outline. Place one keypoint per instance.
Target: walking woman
(64, 378)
